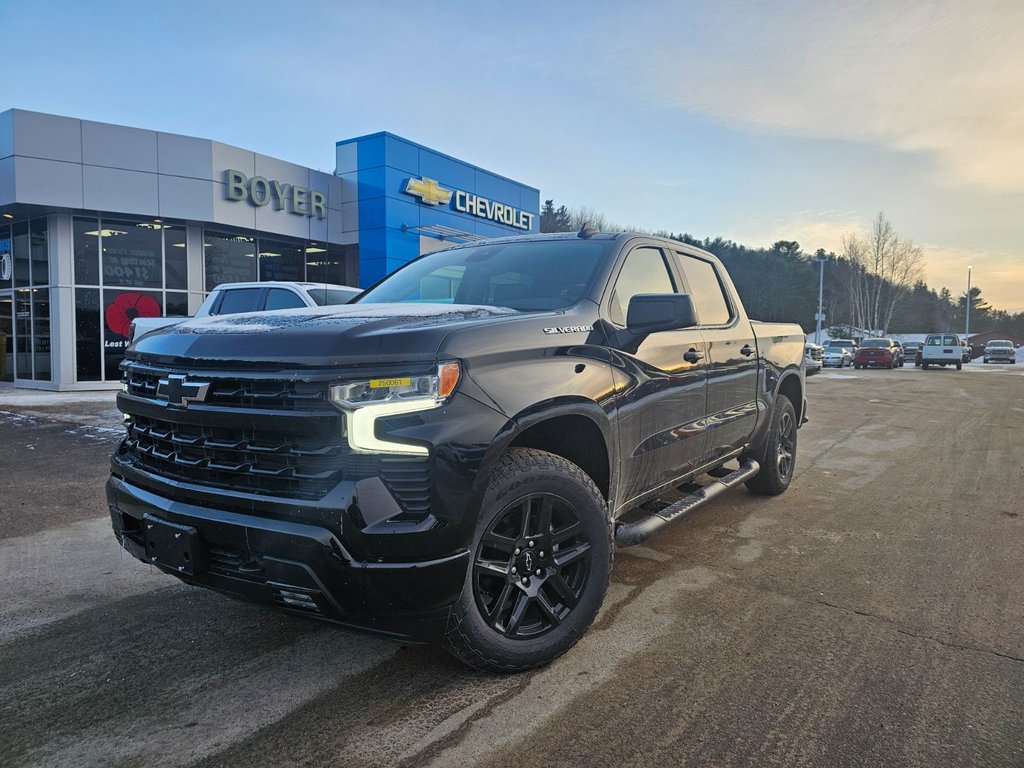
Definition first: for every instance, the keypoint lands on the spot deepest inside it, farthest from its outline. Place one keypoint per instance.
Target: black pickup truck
(455, 455)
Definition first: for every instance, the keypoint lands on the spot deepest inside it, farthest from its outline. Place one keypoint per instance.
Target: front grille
(237, 458)
(234, 392)
(276, 436)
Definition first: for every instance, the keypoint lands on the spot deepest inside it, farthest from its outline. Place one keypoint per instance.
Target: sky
(756, 122)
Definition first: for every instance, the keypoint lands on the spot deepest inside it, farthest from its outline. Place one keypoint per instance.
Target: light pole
(967, 308)
(821, 290)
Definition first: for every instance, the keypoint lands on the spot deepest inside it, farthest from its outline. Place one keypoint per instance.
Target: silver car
(837, 357)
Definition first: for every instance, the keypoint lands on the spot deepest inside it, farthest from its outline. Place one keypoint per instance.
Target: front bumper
(300, 567)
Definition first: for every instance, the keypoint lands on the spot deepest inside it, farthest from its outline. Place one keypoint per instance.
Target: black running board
(628, 534)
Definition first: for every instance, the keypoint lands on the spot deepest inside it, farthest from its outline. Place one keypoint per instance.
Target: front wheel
(542, 558)
(778, 455)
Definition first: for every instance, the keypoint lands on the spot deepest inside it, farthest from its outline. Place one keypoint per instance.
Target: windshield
(835, 348)
(526, 275)
(1000, 344)
(875, 343)
(325, 297)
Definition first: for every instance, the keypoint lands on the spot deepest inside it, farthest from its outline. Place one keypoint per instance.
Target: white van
(942, 349)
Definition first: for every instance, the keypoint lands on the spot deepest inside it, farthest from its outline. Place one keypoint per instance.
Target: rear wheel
(778, 455)
(542, 557)
(959, 366)
(924, 366)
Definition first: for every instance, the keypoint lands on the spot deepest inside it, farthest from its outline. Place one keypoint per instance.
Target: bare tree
(883, 267)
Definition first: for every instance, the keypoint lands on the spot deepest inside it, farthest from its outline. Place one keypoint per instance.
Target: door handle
(693, 356)
(747, 350)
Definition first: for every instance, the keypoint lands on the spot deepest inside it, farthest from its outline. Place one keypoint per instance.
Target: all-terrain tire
(482, 628)
(778, 454)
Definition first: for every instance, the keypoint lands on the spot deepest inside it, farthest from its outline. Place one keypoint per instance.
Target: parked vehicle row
(940, 349)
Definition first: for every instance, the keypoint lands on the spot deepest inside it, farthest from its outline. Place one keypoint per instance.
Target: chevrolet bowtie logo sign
(428, 190)
(180, 392)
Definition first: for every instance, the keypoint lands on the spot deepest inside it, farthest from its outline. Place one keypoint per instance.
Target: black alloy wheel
(777, 455)
(531, 566)
(541, 562)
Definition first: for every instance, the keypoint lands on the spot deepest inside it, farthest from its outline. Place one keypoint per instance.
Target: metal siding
(399, 212)
(185, 156)
(183, 198)
(47, 182)
(448, 172)
(47, 137)
(372, 245)
(6, 133)
(114, 189)
(495, 188)
(349, 216)
(349, 188)
(225, 156)
(346, 158)
(402, 155)
(118, 146)
(7, 191)
(371, 270)
(371, 152)
(371, 182)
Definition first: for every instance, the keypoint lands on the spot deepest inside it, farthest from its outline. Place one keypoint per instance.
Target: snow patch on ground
(35, 398)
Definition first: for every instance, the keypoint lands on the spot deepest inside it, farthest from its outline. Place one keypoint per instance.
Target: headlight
(368, 400)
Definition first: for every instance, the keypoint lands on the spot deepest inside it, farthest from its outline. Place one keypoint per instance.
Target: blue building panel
(446, 171)
(402, 155)
(401, 212)
(497, 188)
(372, 245)
(372, 182)
(371, 151)
(392, 221)
(372, 270)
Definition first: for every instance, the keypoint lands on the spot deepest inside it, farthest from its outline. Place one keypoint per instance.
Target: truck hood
(316, 338)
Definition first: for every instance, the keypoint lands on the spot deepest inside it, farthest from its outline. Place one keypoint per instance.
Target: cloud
(812, 229)
(1000, 276)
(941, 78)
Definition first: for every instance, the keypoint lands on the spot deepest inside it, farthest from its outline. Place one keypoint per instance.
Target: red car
(878, 353)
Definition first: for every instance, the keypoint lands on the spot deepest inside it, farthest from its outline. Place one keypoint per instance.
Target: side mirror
(653, 312)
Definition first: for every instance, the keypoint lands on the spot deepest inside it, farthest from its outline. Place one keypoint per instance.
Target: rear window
(875, 343)
(331, 296)
(942, 341)
(240, 300)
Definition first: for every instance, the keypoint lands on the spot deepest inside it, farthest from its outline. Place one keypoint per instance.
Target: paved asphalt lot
(871, 616)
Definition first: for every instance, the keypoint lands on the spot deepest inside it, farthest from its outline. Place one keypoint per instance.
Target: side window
(279, 298)
(643, 272)
(706, 290)
(240, 300)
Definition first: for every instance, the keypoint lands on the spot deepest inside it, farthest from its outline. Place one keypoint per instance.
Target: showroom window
(123, 268)
(228, 258)
(25, 301)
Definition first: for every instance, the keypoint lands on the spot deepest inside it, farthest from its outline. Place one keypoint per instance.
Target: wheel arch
(576, 430)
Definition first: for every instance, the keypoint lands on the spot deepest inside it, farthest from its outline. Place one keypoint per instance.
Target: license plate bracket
(173, 546)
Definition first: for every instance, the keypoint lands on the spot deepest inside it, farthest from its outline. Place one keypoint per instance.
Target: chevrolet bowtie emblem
(180, 392)
(428, 190)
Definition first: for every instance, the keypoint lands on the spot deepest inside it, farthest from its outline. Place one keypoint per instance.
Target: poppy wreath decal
(125, 308)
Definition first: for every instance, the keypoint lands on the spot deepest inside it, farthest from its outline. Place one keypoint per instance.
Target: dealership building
(102, 223)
